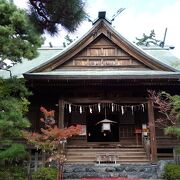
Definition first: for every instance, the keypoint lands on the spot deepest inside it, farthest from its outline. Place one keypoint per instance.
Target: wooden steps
(111, 155)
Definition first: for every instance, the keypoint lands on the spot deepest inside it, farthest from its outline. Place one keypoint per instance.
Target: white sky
(140, 16)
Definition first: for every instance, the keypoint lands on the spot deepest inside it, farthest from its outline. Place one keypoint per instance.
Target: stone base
(144, 171)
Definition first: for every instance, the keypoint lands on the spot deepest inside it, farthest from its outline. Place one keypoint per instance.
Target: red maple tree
(52, 139)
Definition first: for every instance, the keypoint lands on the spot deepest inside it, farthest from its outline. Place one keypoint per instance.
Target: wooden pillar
(152, 131)
(61, 114)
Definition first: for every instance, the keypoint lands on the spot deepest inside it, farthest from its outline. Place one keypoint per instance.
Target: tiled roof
(165, 56)
(45, 54)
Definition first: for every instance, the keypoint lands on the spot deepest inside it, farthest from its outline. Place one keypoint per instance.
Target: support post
(152, 131)
(61, 114)
(43, 158)
(60, 125)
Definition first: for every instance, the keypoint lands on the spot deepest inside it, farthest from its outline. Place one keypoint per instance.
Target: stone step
(121, 155)
(91, 162)
(131, 145)
(84, 155)
(109, 149)
(111, 155)
(118, 159)
(136, 154)
(105, 149)
(106, 153)
(117, 162)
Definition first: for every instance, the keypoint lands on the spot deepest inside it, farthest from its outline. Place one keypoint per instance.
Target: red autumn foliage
(48, 118)
(52, 138)
(51, 135)
(47, 113)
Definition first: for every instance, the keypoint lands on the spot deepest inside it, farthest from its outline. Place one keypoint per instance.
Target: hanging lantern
(106, 127)
(105, 124)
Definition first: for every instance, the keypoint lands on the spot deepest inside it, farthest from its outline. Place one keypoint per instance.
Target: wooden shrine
(104, 76)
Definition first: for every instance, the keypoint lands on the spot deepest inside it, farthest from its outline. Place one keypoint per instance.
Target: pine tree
(13, 107)
(49, 15)
(18, 37)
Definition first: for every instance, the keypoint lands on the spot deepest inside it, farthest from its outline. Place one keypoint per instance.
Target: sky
(139, 16)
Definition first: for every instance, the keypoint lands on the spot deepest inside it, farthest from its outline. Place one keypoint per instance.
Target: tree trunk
(60, 171)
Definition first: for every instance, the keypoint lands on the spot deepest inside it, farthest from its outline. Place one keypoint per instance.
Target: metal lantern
(106, 125)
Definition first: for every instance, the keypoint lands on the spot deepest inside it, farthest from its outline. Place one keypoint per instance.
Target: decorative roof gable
(103, 47)
(102, 54)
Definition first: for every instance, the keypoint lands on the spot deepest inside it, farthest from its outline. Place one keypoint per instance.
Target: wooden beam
(153, 143)
(61, 114)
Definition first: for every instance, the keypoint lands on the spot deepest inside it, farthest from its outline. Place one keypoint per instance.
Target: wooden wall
(103, 54)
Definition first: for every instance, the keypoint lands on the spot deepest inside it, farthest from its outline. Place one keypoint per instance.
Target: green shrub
(172, 172)
(177, 150)
(4, 174)
(19, 173)
(12, 173)
(45, 173)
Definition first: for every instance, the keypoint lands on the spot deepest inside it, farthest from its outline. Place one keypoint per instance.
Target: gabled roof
(102, 27)
(158, 59)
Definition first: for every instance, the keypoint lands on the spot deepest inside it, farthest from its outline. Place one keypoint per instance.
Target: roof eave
(174, 77)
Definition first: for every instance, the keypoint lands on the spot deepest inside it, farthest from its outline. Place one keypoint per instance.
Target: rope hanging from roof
(98, 107)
